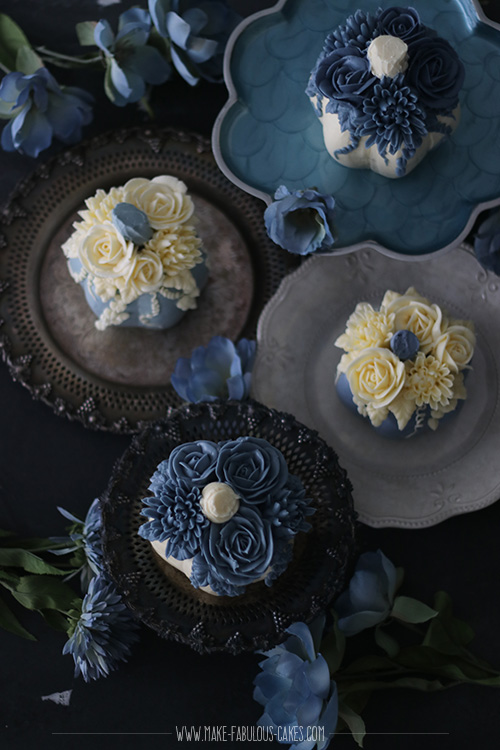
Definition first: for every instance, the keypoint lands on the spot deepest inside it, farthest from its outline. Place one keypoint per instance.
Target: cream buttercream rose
(102, 253)
(404, 359)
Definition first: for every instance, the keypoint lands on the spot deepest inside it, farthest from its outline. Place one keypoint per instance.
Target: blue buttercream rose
(436, 73)
(235, 553)
(296, 689)
(252, 467)
(301, 222)
(370, 595)
(401, 22)
(193, 463)
(345, 75)
(487, 243)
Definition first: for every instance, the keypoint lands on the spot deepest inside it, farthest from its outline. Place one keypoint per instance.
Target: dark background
(47, 461)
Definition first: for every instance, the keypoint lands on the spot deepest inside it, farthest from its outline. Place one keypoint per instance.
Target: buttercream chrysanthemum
(103, 633)
(358, 31)
(429, 381)
(287, 509)
(100, 205)
(175, 516)
(392, 120)
(366, 328)
(459, 394)
(178, 248)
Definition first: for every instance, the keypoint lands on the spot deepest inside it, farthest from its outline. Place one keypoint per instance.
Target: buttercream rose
(237, 552)
(345, 75)
(219, 502)
(455, 346)
(436, 73)
(375, 376)
(252, 467)
(421, 318)
(192, 462)
(146, 276)
(163, 199)
(103, 252)
(401, 22)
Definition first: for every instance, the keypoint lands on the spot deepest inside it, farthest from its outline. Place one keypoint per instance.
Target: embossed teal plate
(268, 134)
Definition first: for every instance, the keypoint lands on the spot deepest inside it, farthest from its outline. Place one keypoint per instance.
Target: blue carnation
(38, 110)
(197, 33)
(130, 62)
(370, 596)
(103, 633)
(301, 222)
(219, 370)
(296, 689)
(487, 243)
(175, 515)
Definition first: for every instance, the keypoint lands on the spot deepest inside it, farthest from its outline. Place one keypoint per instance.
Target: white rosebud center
(219, 502)
(388, 56)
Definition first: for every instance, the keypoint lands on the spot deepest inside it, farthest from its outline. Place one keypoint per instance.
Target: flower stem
(66, 61)
(5, 68)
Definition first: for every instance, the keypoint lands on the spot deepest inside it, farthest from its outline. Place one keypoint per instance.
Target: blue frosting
(394, 113)
(255, 542)
(404, 344)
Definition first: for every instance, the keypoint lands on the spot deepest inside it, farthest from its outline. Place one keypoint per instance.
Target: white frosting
(219, 502)
(388, 56)
(369, 158)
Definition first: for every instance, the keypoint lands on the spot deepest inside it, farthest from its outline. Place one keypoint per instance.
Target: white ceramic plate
(408, 483)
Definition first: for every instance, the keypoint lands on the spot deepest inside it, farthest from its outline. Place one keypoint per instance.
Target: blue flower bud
(404, 344)
(132, 223)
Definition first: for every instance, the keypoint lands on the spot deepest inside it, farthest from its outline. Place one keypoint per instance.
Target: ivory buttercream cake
(137, 254)
(403, 365)
(385, 88)
(225, 514)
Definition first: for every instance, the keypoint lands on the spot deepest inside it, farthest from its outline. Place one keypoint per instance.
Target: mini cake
(137, 255)
(226, 513)
(404, 364)
(385, 88)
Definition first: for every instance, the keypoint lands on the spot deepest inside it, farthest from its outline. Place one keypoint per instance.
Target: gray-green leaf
(12, 38)
(27, 61)
(85, 33)
(354, 722)
(16, 557)
(44, 592)
(9, 622)
(411, 610)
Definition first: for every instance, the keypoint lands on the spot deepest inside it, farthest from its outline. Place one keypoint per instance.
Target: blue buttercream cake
(386, 90)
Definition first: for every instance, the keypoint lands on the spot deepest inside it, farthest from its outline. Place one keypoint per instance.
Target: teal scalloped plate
(268, 134)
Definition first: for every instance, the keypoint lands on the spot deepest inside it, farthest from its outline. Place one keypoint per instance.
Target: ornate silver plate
(117, 378)
(406, 483)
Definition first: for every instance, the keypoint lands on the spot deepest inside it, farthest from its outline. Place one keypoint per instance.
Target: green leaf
(372, 663)
(400, 574)
(108, 86)
(411, 610)
(85, 33)
(12, 38)
(8, 621)
(354, 722)
(386, 642)
(447, 629)
(4, 532)
(333, 648)
(56, 620)
(44, 592)
(10, 579)
(15, 557)
(27, 61)
(415, 683)
(452, 667)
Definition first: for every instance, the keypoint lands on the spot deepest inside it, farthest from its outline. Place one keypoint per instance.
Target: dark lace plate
(163, 597)
(116, 378)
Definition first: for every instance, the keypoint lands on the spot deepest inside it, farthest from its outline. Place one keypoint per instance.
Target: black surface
(46, 461)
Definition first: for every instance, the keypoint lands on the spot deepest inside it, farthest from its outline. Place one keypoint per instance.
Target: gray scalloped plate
(267, 134)
(408, 483)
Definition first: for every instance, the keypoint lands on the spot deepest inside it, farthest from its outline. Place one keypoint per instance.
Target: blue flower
(39, 110)
(103, 633)
(86, 534)
(198, 32)
(436, 73)
(189, 463)
(296, 689)
(358, 31)
(287, 507)
(345, 75)
(401, 22)
(370, 595)
(393, 120)
(219, 370)
(487, 243)
(175, 515)
(301, 222)
(235, 553)
(130, 62)
(252, 467)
